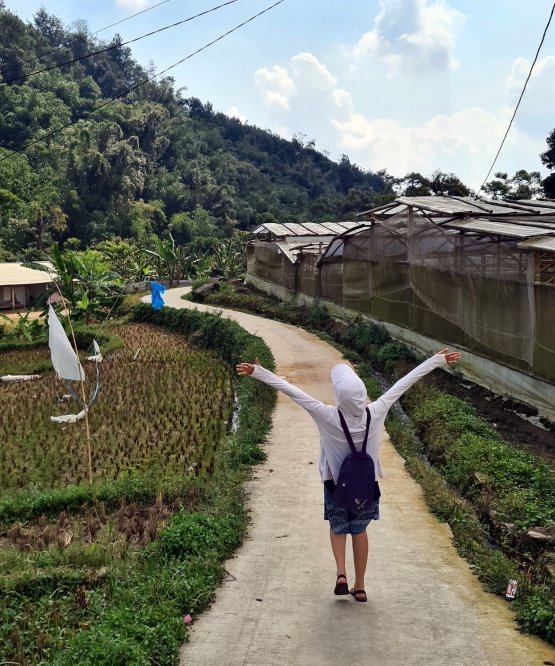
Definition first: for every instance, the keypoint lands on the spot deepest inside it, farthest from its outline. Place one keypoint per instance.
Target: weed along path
(425, 606)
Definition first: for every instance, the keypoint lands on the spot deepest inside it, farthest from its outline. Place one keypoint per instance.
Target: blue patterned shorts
(343, 521)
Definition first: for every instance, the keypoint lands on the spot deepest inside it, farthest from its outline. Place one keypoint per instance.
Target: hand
(452, 357)
(246, 368)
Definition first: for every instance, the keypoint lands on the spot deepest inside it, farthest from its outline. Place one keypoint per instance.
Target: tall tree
(548, 158)
(523, 185)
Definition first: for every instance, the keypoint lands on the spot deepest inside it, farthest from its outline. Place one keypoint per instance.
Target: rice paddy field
(104, 575)
(165, 406)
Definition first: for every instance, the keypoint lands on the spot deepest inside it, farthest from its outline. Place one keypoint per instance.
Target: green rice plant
(141, 419)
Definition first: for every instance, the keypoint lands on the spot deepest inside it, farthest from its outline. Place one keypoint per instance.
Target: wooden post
(13, 298)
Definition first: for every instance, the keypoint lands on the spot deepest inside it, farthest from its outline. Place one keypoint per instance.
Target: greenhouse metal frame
(471, 273)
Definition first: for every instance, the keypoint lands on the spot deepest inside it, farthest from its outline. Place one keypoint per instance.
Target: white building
(20, 286)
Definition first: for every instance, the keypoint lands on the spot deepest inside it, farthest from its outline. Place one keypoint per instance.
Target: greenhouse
(471, 273)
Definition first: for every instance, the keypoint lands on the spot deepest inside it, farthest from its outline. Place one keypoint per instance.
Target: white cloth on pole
(97, 355)
(69, 418)
(64, 359)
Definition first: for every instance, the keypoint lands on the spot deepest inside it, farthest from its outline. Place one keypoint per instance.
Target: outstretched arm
(381, 406)
(319, 412)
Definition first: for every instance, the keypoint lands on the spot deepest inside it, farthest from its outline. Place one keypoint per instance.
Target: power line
(142, 83)
(120, 45)
(80, 39)
(520, 99)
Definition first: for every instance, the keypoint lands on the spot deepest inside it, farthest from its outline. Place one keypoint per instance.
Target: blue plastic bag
(156, 299)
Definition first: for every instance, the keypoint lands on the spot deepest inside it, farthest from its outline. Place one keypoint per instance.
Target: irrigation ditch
(106, 574)
(485, 469)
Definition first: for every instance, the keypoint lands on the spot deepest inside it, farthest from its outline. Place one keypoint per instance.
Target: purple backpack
(355, 489)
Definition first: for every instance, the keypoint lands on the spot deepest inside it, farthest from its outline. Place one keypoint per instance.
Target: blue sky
(398, 84)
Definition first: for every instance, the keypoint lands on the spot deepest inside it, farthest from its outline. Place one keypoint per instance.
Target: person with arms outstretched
(363, 425)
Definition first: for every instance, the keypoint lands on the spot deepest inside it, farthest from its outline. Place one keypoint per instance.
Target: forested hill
(151, 162)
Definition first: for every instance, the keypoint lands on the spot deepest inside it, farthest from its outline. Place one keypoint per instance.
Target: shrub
(200, 535)
(362, 335)
(198, 282)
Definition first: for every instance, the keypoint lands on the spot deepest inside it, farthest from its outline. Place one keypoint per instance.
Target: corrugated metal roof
(546, 222)
(272, 227)
(16, 275)
(538, 203)
(441, 204)
(494, 207)
(298, 229)
(291, 249)
(542, 244)
(304, 229)
(315, 228)
(497, 228)
(467, 206)
(348, 225)
(334, 227)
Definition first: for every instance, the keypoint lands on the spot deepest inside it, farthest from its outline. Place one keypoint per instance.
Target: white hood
(350, 391)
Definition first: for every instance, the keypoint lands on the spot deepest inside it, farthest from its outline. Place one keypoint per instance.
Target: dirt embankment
(504, 414)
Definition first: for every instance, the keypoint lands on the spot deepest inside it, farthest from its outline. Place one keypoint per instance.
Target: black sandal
(354, 593)
(341, 588)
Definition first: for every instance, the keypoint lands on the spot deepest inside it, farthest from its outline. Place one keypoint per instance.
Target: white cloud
(234, 113)
(521, 68)
(275, 85)
(413, 35)
(535, 116)
(464, 142)
(133, 4)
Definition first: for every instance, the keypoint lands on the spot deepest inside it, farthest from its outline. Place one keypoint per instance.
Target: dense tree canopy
(153, 162)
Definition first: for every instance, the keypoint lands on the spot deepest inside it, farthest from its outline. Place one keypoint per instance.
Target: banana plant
(25, 328)
(86, 290)
(229, 258)
(165, 259)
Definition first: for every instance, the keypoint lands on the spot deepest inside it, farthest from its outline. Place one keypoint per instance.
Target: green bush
(535, 612)
(198, 282)
(315, 317)
(394, 351)
(362, 335)
(200, 535)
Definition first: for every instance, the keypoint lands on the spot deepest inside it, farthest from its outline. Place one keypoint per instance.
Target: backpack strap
(348, 434)
(368, 419)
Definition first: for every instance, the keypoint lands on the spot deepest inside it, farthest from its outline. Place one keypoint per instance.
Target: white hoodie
(351, 399)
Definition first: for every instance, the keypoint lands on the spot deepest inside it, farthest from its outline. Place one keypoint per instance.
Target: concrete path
(425, 607)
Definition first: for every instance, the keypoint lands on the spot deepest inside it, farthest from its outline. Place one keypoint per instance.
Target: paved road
(425, 607)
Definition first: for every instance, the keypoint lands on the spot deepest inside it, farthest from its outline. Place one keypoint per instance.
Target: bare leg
(360, 555)
(338, 545)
